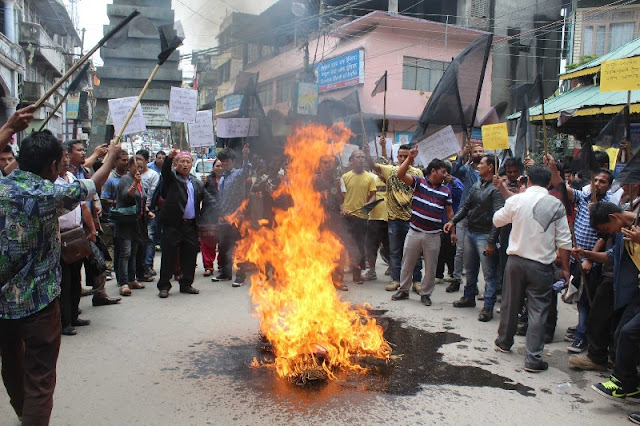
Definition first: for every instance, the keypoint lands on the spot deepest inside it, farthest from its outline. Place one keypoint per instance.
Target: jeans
(600, 323)
(377, 234)
(474, 247)
(458, 261)
(29, 348)
(127, 261)
(397, 233)
(627, 340)
(150, 247)
(583, 304)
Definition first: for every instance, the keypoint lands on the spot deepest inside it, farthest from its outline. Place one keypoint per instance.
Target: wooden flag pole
(181, 134)
(144, 89)
(84, 59)
(628, 151)
(544, 130)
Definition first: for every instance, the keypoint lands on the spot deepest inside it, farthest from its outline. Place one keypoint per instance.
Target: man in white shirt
(539, 228)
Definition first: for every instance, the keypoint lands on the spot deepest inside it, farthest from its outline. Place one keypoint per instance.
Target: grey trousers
(458, 261)
(428, 245)
(535, 280)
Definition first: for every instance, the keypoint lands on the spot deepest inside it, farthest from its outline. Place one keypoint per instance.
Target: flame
(300, 313)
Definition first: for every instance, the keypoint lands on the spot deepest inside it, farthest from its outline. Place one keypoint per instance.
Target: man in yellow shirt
(377, 231)
(359, 188)
(399, 197)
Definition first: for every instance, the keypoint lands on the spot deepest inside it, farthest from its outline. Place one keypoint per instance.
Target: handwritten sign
(346, 153)
(495, 137)
(201, 132)
(183, 104)
(388, 147)
(237, 127)
(119, 109)
(441, 144)
(621, 74)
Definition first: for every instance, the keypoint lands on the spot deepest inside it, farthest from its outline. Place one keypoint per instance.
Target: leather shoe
(69, 331)
(103, 301)
(189, 290)
(401, 295)
(453, 287)
(80, 322)
(135, 285)
(464, 303)
(220, 277)
(164, 294)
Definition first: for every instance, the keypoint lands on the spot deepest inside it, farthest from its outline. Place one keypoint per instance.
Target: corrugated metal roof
(627, 50)
(587, 99)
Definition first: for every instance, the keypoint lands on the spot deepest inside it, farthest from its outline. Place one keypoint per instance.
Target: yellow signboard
(495, 137)
(621, 74)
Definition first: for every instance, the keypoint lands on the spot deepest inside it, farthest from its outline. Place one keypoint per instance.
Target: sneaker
(393, 286)
(486, 315)
(613, 389)
(464, 303)
(370, 275)
(578, 346)
(237, 283)
(521, 329)
(401, 295)
(439, 280)
(583, 362)
(157, 247)
(220, 277)
(634, 417)
(536, 368)
(572, 330)
(416, 286)
(449, 280)
(453, 287)
(569, 337)
(425, 300)
(500, 348)
(152, 272)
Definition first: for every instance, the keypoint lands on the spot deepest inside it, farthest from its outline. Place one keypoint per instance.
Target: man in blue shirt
(156, 165)
(30, 265)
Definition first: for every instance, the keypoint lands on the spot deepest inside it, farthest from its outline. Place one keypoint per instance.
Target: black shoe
(103, 301)
(453, 287)
(634, 417)
(163, 294)
(69, 331)
(220, 277)
(80, 322)
(401, 295)
(189, 290)
(521, 330)
(146, 279)
(425, 300)
(501, 348)
(152, 272)
(572, 330)
(464, 303)
(536, 368)
(486, 315)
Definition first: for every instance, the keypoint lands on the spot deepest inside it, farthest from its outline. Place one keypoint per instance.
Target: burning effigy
(311, 332)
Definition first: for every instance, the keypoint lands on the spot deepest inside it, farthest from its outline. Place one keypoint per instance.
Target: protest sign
(119, 109)
(201, 132)
(236, 127)
(183, 104)
(495, 137)
(620, 74)
(441, 144)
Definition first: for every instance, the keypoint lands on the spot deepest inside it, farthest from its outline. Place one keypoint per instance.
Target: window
(265, 94)
(284, 90)
(604, 32)
(587, 41)
(253, 54)
(421, 74)
(620, 34)
(225, 71)
(600, 35)
(480, 8)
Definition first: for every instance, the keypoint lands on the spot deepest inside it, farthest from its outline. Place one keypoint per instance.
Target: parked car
(207, 163)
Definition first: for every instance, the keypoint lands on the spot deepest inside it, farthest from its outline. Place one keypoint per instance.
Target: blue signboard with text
(343, 71)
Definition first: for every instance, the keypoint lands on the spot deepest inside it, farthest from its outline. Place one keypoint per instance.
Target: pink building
(414, 52)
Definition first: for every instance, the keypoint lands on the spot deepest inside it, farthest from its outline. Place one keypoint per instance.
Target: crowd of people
(535, 230)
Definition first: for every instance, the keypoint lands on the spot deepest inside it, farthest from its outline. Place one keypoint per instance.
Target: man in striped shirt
(430, 200)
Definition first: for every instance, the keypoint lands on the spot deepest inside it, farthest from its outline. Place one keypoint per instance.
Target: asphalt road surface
(185, 361)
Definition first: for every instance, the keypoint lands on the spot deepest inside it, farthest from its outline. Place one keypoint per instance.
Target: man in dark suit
(185, 197)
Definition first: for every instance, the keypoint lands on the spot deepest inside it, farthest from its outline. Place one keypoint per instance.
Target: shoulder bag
(74, 245)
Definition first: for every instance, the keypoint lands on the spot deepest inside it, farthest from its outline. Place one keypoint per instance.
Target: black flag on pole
(139, 24)
(613, 132)
(455, 99)
(171, 37)
(381, 85)
(523, 135)
(631, 172)
(524, 95)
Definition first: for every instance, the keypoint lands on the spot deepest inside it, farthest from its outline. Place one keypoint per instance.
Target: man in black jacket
(480, 240)
(185, 196)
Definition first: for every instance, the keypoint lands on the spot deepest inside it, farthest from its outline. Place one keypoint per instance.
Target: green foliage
(583, 60)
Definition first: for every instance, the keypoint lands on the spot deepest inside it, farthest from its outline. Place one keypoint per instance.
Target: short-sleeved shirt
(30, 239)
(358, 187)
(399, 194)
(428, 205)
(110, 189)
(586, 236)
(380, 212)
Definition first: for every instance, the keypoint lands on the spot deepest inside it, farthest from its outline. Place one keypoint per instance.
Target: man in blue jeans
(480, 240)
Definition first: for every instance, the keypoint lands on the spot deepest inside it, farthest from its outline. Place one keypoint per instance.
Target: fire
(308, 326)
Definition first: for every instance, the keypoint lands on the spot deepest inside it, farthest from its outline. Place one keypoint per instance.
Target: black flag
(171, 37)
(381, 85)
(613, 132)
(455, 99)
(631, 172)
(139, 24)
(523, 135)
(524, 95)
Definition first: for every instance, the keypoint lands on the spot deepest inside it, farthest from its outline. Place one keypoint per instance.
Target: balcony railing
(45, 48)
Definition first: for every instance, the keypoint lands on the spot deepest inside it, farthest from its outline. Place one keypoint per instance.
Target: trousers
(183, 238)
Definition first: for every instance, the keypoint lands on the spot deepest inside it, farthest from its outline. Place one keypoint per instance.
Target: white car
(207, 163)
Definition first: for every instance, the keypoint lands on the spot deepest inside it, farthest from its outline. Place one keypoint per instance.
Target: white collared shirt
(529, 212)
(73, 219)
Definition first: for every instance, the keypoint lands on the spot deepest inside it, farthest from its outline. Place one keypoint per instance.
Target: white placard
(388, 147)
(441, 144)
(119, 109)
(183, 105)
(236, 127)
(201, 132)
(346, 153)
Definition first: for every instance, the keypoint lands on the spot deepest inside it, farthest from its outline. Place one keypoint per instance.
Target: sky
(200, 19)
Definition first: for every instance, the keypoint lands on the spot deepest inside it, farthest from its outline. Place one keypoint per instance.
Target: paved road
(184, 361)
